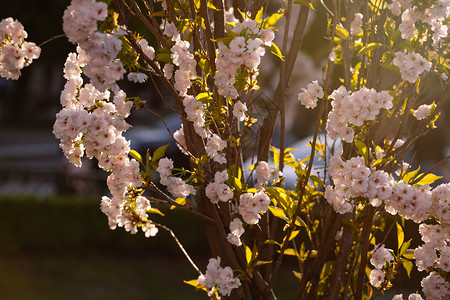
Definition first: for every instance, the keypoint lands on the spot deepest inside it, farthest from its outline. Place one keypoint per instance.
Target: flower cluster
(435, 287)
(182, 58)
(176, 186)
(410, 201)
(90, 123)
(411, 65)
(239, 110)
(194, 112)
(379, 258)
(251, 205)
(263, 174)
(440, 203)
(217, 190)
(435, 16)
(355, 25)
(354, 108)
(180, 139)
(423, 111)
(100, 49)
(309, 96)
(217, 276)
(129, 214)
(240, 55)
(236, 230)
(214, 147)
(15, 52)
(410, 297)
(353, 179)
(436, 240)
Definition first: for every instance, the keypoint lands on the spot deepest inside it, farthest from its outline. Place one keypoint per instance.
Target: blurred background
(54, 241)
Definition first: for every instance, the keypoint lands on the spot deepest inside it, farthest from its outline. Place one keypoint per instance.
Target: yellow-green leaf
(211, 6)
(259, 14)
(181, 201)
(404, 247)
(304, 3)
(341, 32)
(262, 262)
(297, 274)
(400, 235)
(278, 212)
(290, 251)
(272, 20)
(409, 254)
(410, 175)
(204, 97)
(276, 51)
(248, 254)
(407, 265)
(317, 180)
(155, 211)
(159, 153)
(428, 179)
(192, 282)
(195, 284)
(369, 47)
(272, 242)
(362, 148)
(134, 154)
(294, 234)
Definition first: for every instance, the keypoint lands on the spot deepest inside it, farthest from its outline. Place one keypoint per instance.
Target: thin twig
(180, 246)
(51, 39)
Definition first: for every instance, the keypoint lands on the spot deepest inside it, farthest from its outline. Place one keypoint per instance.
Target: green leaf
(259, 14)
(409, 254)
(299, 222)
(380, 161)
(290, 251)
(192, 282)
(317, 180)
(164, 57)
(204, 97)
(404, 247)
(211, 6)
(262, 262)
(181, 201)
(410, 175)
(369, 47)
(195, 284)
(428, 179)
(304, 3)
(407, 265)
(272, 20)
(400, 235)
(248, 254)
(362, 148)
(136, 156)
(341, 32)
(159, 153)
(276, 51)
(272, 242)
(297, 274)
(278, 212)
(155, 211)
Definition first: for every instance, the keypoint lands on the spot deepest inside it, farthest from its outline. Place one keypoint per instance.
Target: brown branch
(369, 211)
(269, 122)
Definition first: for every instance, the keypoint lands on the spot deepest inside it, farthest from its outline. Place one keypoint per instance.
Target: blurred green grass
(95, 276)
(62, 248)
